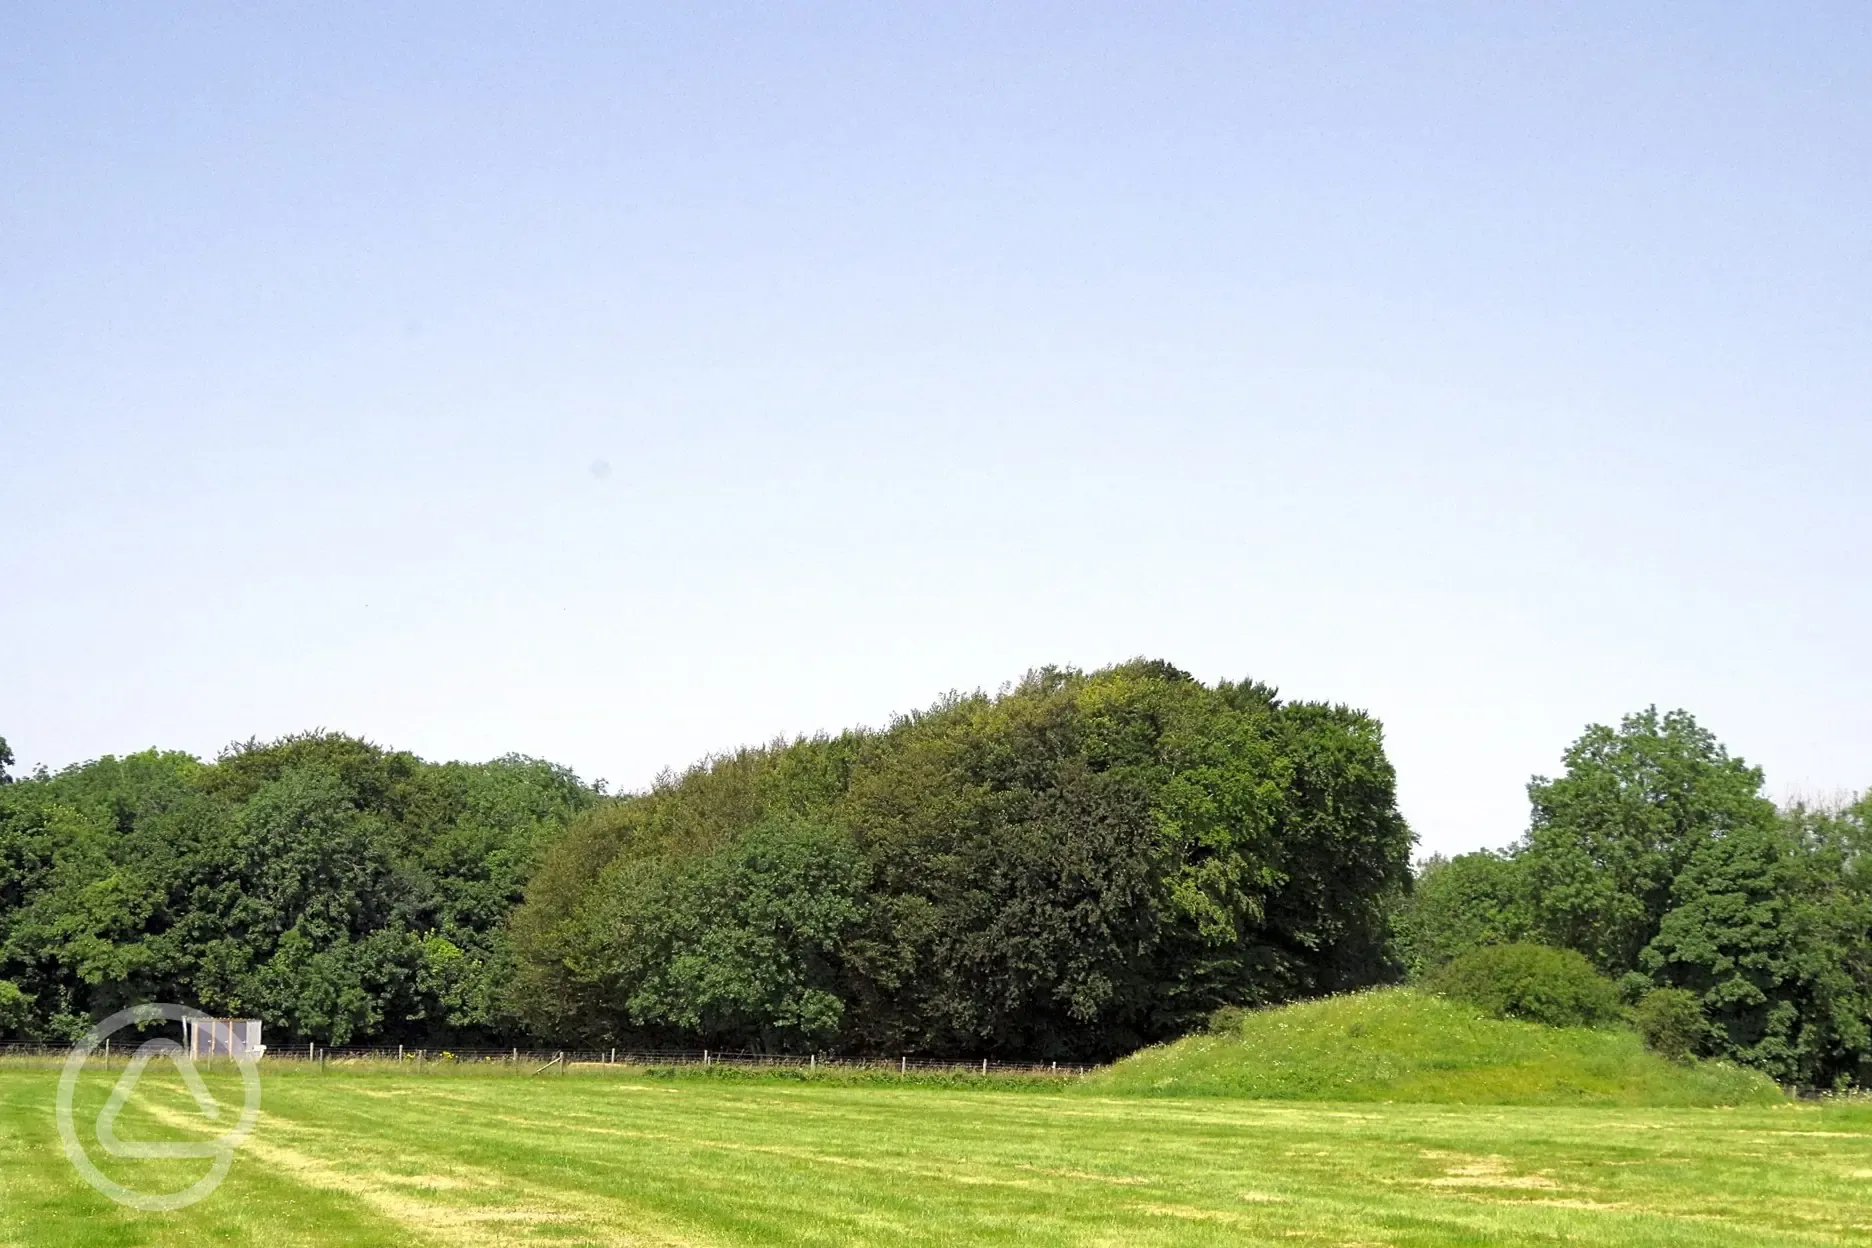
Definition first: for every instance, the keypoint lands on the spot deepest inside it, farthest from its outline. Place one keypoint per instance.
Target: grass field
(385, 1157)
(1396, 1044)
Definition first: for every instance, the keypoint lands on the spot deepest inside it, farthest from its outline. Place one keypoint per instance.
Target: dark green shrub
(1533, 982)
(1672, 1023)
(1632, 987)
(15, 1006)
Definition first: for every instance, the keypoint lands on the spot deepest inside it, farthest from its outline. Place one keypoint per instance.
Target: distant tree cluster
(1083, 864)
(1075, 867)
(338, 891)
(1737, 929)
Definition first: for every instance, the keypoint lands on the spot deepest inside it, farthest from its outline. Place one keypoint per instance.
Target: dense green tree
(563, 986)
(744, 943)
(1656, 855)
(340, 891)
(6, 761)
(1764, 932)
(1078, 865)
(1457, 904)
(1609, 837)
(15, 1009)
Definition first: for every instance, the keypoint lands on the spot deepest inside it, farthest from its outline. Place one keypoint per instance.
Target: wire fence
(541, 1061)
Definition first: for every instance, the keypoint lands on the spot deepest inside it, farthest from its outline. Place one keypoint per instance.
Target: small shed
(222, 1037)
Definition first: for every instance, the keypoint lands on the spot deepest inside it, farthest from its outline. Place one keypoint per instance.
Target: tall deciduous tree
(1768, 929)
(1079, 865)
(1610, 835)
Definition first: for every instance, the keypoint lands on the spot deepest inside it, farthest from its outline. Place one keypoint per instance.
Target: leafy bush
(1672, 1023)
(1533, 982)
(15, 1006)
(1458, 904)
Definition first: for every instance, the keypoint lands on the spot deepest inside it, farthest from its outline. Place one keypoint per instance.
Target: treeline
(1657, 857)
(338, 891)
(1080, 865)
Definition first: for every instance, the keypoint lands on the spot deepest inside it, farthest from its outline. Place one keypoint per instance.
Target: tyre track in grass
(431, 1204)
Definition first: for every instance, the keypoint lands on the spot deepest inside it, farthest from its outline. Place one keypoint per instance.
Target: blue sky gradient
(615, 384)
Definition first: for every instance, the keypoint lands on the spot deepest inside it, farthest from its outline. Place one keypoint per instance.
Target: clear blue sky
(617, 384)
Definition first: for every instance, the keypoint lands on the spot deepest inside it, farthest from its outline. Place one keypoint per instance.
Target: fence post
(903, 1065)
(705, 1057)
(984, 1065)
(812, 1061)
(399, 1054)
(310, 1055)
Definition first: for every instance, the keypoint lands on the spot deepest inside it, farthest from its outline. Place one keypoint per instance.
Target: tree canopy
(1082, 864)
(1656, 856)
(1078, 865)
(340, 891)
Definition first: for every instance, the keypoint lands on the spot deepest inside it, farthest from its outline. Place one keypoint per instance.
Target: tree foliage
(745, 940)
(1461, 903)
(1536, 983)
(1072, 868)
(1656, 856)
(15, 1009)
(340, 891)
(1610, 836)
(1672, 1023)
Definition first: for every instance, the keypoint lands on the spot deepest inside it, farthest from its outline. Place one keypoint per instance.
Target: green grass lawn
(1396, 1044)
(384, 1157)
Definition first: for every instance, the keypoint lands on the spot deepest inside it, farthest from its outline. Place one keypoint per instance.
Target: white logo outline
(221, 1148)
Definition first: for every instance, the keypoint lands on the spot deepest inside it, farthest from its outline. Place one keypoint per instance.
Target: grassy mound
(1396, 1044)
